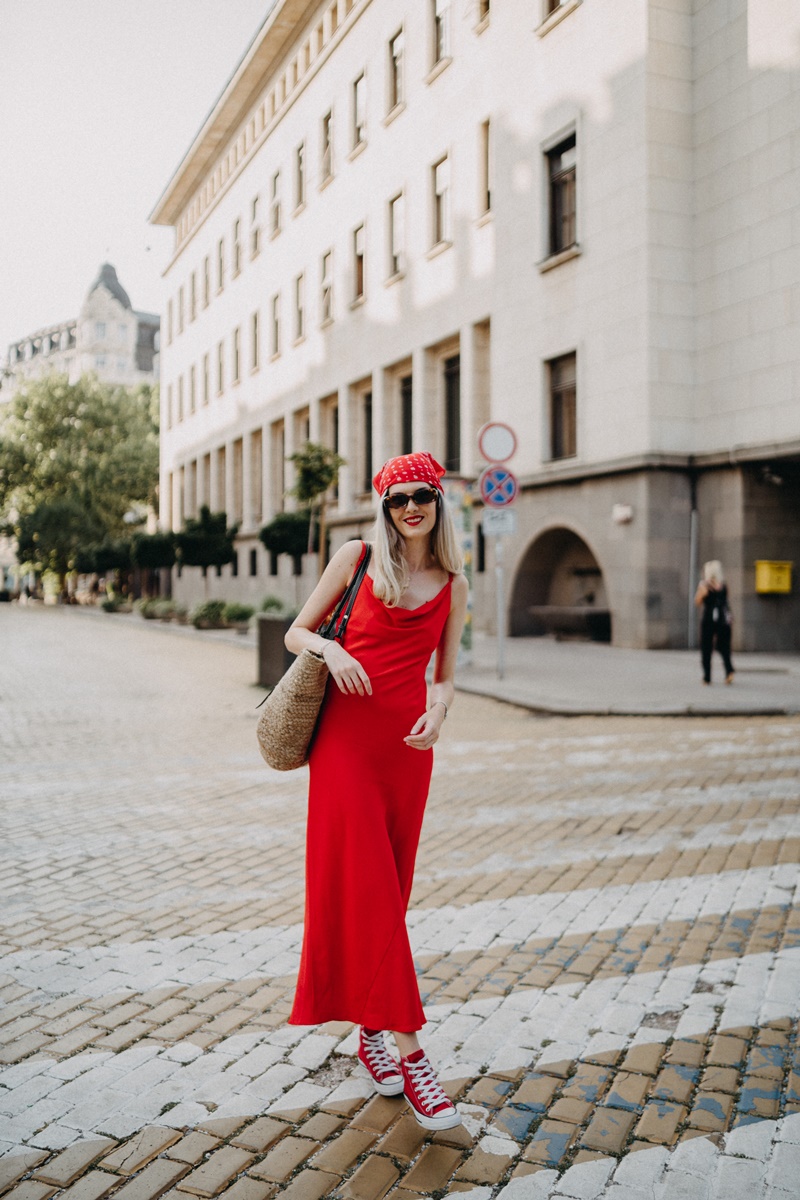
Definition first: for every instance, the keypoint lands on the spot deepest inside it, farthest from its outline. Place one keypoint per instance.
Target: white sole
(445, 1121)
(388, 1089)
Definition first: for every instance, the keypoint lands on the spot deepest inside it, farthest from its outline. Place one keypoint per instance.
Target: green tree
(75, 458)
(206, 542)
(316, 472)
(288, 533)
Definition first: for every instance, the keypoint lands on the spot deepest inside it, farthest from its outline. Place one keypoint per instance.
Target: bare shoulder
(460, 589)
(348, 554)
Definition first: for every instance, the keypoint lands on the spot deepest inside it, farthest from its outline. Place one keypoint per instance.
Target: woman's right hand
(347, 671)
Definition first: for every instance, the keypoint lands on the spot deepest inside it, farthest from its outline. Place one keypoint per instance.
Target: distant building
(402, 220)
(108, 338)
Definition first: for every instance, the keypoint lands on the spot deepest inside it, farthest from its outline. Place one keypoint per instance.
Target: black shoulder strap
(336, 626)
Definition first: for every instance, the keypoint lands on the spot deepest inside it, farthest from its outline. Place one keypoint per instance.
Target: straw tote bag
(290, 712)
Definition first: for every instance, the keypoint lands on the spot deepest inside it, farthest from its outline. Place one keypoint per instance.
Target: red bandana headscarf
(419, 468)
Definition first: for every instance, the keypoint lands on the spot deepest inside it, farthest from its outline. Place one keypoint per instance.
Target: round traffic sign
(497, 441)
(497, 487)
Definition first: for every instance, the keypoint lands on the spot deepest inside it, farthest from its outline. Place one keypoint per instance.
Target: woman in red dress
(370, 769)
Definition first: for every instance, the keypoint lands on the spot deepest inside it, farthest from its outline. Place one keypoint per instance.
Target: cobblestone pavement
(605, 922)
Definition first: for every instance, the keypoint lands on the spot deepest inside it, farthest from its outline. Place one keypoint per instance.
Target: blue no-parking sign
(498, 486)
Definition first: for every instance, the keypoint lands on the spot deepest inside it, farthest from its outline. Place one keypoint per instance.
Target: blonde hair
(390, 566)
(713, 570)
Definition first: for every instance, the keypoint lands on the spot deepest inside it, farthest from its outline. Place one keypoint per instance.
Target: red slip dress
(367, 795)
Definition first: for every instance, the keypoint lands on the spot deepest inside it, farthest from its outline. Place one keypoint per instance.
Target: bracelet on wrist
(444, 706)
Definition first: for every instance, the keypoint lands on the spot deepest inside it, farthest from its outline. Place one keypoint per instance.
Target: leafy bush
(111, 604)
(236, 614)
(208, 614)
(148, 609)
(272, 604)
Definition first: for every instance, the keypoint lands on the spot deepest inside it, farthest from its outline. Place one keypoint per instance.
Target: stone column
(426, 403)
(469, 383)
(230, 483)
(247, 483)
(346, 449)
(381, 419)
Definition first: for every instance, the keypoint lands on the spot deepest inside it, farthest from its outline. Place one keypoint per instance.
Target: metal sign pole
(501, 606)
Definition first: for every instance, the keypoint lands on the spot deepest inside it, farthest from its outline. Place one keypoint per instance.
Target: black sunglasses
(420, 497)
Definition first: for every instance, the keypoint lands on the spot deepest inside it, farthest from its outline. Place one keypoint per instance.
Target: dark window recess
(235, 564)
(253, 562)
(406, 415)
(368, 472)
(480, 550)
(563, 433)
(273, 563)
(561, 167)
(298, 564)
(452, 413)
(219, 572)
(335, 422)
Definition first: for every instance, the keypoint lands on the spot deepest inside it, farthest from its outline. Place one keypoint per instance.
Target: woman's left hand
(425, 731)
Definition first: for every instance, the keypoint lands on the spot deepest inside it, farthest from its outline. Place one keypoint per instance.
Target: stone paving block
(659, 1121)
(31, 1189)
(719, 1079)
(283, 1159)
(515, 1122)
(686, 1053)
(72, 1162)
(481, 1167)
(608, 1130)
(139, 1150)
(628, 1091)
(378, 1114)
(339, 1155)
(404, 1138)
(432, 1169)
(536, 1092)
(727, 1051)
(261, 1134)
(759, 1096)
(489, 1090)
(216, 1172)
(192, 1148)
(372, 1180)
(711, 1111)
(320, 1127)
(588, 1083)
(550, 1143)
(310, 1185)
(14, 1166)
(675, 1082)
(644, 1059)
(244, 1188)
(767, 1061)
(95, 1184)
(156, 1178)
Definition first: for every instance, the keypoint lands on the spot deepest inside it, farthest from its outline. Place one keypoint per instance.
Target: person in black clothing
(715, 619)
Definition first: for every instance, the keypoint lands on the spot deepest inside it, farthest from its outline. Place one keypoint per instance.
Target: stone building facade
(400, 221)
(108, 338)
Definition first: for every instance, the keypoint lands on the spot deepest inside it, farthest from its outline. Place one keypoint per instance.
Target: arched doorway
(559, 588)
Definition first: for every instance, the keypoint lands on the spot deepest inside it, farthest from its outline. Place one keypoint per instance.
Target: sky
(99, 101)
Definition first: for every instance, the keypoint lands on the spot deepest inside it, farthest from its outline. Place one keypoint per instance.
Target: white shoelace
(426, 1085)
(379, 1057)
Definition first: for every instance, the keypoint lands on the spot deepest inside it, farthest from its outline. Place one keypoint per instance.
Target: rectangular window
(300, 176)
(484, 7)
(192, 389)
(236, 346)
(452, 413)
(561, 164)
(253, 563)
(206, 383)
(396, 74)
(326, 162)
(255, 339)
(220, 264)
(180, 398)
(220, 368)
(406, 415)
(358, 263)
(255, 229)
(169, 323)
(256, 476)
(359, 111)
(193, 296)
(366, 415)
(275, 338)
(563, 432)
(100, 330)
(275, 204)
(441, 30)
(236, 248)
(299, 307)
(441, 201)
(169, 406)
(485, 182)
(326, 298)
(180, 309)
(206, 282)
(396, 235)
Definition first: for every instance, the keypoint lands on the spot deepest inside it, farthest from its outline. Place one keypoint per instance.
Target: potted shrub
(238, 616)
(208, 614)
